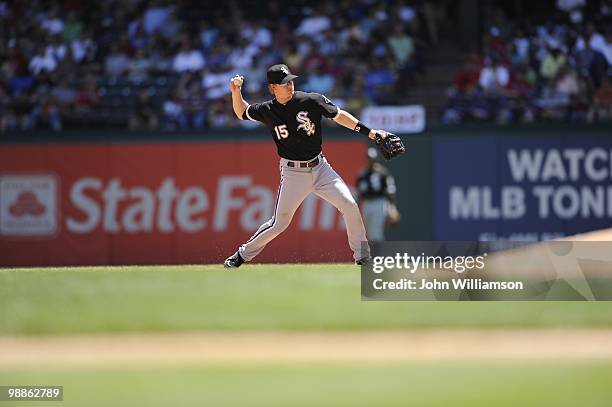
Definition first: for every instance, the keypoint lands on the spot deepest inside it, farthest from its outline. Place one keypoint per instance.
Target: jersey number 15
(281, 131)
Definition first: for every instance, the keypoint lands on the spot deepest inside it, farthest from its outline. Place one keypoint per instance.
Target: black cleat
(364, 261)
(233, 261)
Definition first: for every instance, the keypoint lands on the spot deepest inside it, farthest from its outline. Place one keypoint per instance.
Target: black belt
(309, 164)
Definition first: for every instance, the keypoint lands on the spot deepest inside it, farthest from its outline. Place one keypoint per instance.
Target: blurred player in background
(376, 191)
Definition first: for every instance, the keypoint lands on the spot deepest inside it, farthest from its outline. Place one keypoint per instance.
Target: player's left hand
(373, 134)
(389, 145)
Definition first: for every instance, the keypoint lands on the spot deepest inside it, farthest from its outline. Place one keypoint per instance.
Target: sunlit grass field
(283, 298)
(433, 384)
(255, 297)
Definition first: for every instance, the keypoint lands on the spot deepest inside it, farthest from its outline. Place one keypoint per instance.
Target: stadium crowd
(557, 70)
(158, 64)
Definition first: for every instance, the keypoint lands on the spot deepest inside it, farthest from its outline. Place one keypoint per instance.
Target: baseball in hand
(237, 80)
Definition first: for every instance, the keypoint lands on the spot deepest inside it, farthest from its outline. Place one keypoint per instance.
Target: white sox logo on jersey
(305, 123)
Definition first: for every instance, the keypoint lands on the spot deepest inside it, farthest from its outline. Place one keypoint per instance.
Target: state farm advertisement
(158, 203)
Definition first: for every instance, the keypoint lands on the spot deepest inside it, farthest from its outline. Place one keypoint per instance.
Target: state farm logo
(28, 205)
(114, 207)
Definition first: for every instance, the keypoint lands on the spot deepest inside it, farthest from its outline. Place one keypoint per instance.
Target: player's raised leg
(294, 187)
(330, 186)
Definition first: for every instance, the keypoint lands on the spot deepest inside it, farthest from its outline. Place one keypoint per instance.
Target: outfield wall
(523, 183)
(129, 198)
(151, 203)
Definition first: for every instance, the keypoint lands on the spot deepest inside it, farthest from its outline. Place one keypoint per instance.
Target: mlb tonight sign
(521, 188)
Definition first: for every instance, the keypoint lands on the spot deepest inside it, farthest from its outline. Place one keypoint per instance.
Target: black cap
(279, 74)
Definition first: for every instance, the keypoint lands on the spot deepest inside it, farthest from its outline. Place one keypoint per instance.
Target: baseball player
(294, 119)
(376, 189)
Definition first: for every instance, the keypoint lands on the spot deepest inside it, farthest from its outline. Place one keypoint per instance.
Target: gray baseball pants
(295, 185)
(375, 212)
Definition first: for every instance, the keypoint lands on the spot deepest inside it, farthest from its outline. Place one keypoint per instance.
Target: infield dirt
(202, 348)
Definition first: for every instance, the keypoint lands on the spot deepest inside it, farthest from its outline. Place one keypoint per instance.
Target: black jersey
(376, 182)
(295, 126)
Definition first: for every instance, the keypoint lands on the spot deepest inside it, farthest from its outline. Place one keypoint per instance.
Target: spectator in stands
(51, 22)
(56, 49)
(553, 62)
(188, 59)
(379, 82)
(551, 36)
(521, 45)
(19, 111)
(87, 97)
(494, 45)
(314, 25)
(14, 71)
(368, 24)
(215, 80)
(84, 48)
(42, 62)
(519, 93)
(8, 121)
(241, 57)
(573, 8)
(606, 48)
(219, 116)
(217, 55)
(605, 8)
(318, 81)
(567, 83)
(65, 95)
(116, 63)
(293, 57)
(161, 58)
(601, 109)
(171, 28)
(590, 37)
(552, 103)
(553, 72)
(466, 79)
(187, 107)
(45, 110)
(156, 15)
(402, 48)
(145, 114)
(173, 111)
(72, 28)
(267, 56)
(139, 67)
(141, 39)
(194, 106)
(591, 62)
(137, 35)
(208, 35)
(494, 76)
(256, 33)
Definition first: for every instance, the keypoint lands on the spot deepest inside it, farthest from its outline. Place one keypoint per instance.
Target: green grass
(537, 383)
(255, 297)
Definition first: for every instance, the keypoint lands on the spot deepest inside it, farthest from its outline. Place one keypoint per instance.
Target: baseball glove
(390, 147)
